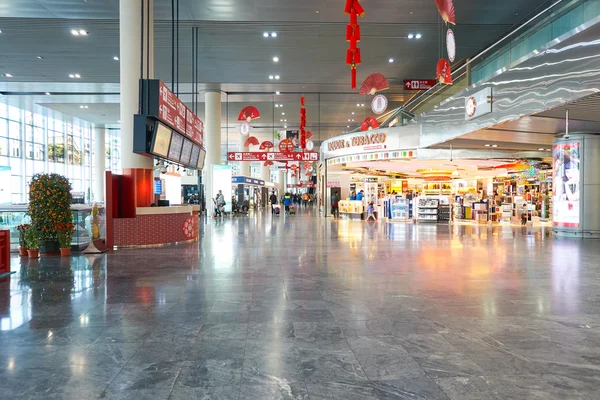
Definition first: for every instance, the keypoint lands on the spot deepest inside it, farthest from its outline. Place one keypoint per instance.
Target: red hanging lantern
(444, 72)
(354, 9)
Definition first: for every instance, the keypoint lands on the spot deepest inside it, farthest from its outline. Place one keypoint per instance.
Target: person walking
(273, 200)
(334, 206)
(305, 199)
(219, 204)
(287, 202)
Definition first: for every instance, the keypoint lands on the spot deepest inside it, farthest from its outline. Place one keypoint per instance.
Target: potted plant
(32, 241)
(49, 204)
(22, 241)
(65, 236)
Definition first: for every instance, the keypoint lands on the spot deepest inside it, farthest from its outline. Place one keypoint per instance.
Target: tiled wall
(155, 229)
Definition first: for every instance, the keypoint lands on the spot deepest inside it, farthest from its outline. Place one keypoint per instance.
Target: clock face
(451, 45)
(471, 107)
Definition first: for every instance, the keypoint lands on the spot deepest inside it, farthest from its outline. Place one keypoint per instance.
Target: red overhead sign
(171, 110)
(273, 156)
(419, 84)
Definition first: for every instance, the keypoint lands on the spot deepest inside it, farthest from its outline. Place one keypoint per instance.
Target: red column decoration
(354, 9)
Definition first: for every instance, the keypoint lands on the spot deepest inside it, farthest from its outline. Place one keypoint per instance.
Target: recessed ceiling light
(40, 57)
(273, 34)
(410, 36)
(277, 77)
(275, 59)
(285, 120)
(285, 127)
(74, 32)
(47, 93)
(352, 112)
(276, 105)
(83, 106)
(362, 105)
(265, 34)
(347, 126)
(357, 105)
(282, 113)
(116, 58)
(317, 11)
(77, 76)
(547, 149)
(540, 149)
(281, 105)
(0, 30)
(271, 77)
(494, 145)
(487, 145)
(83, 32)
(348, 120)
(277, 93)
(419, 36)
(391, 60)
(8, 75)
(280, 120)
(119, 121)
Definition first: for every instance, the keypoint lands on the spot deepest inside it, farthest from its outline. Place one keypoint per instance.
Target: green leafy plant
(32, 239)
(22, 231)
(49, 204)
(65, 234)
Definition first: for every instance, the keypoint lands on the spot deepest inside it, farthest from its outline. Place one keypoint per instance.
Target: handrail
(486, 50)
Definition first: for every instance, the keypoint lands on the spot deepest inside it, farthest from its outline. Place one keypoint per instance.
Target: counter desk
(155, 226)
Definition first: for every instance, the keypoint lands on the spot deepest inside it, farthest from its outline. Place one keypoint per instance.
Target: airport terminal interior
(262, 199)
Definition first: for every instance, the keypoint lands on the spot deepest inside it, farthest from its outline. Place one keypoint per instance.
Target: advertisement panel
(221, 175)
(567, 184)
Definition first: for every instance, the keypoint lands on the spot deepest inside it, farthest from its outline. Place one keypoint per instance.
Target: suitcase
(292, 210)
(276, 210)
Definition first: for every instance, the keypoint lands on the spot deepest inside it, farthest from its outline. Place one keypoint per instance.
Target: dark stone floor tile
(224, 331)
(275, 390)
(213, 393)
(421, 388)
(125, 334)
(267, 362)
(155, 376)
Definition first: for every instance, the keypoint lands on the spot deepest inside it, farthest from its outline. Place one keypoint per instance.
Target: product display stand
(427, 209)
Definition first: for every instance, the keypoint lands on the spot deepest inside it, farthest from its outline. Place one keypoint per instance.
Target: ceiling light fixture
(116, 58)
(419, 36)
(40, 57)
(540, 149)
(273, 34)
(83, 32)
(277, 93)
(411, 36)
(357, 105)
(277, 77)
(271, 77)
(276, 105)
(8, 75)
(352, 112)
(494, 145)
(487, 145)
(548, 150)
(74, 32)
(265, 34)
(47, 93)
(285, 120)
(275, 59)
(75, 76)
(282, 113)
(280, 120)
(285, 127)
(348, 120)
(362, 105)
(83, 106)
(391, 60)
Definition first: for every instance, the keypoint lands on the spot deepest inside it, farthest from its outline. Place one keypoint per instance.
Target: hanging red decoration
(302, 123)
(443, 71)
(266, 145)
(267, 163)
(308, 174)
(368, 124)
(248, 114)
(446, 9)
(354, 9)
(374, 83)
(309, 135)
(251, 141)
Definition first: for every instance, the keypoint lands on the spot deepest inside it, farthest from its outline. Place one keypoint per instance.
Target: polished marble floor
(302, 307)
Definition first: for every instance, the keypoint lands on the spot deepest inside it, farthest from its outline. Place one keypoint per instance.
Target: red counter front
(156, 226)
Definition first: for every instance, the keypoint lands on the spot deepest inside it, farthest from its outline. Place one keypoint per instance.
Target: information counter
(155, 226)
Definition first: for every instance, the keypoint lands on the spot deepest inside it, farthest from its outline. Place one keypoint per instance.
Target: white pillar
(99, 163)
(244, 165)
(282, 182)
(130, 55)
(212, 140)
(265, 173)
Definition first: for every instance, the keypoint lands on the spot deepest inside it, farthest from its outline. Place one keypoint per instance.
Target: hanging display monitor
(201, 159)
(186, 152)
(194, 156)
(161, 140)
(175, 149)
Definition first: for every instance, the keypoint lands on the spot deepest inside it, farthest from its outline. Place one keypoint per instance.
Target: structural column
(130, 25)
(99, 163)
(244, 165)
(282, 177)
(212, 141)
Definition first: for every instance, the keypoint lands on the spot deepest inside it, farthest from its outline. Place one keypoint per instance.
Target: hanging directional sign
(419, 84)
(273, 156)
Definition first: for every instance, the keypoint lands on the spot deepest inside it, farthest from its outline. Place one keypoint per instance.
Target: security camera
(163, 169)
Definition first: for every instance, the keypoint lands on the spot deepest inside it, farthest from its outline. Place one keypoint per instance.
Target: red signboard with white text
(419, 84)
(273, 156)
(173, 112)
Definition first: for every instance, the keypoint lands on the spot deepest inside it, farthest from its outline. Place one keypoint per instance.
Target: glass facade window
(33, 142)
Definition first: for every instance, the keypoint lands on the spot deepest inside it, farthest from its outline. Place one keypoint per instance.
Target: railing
(541, 28)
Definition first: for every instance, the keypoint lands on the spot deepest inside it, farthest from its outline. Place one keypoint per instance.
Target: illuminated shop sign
(375, 139)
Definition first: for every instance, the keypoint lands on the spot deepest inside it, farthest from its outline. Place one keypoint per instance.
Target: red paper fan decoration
(368, 124)
(446, 9)
(266, 145)
(374, 83)
(308, 174)
(293, 167)
(248, 114)
(443, 71)
(306, 165)
(309, 135)
(267, 163)
(251, 141)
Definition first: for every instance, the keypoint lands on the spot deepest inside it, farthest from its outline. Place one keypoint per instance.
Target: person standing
(273, 200)
(219, 204)
(287, 202)
(305, 199)
(360, 195)
(334, 206)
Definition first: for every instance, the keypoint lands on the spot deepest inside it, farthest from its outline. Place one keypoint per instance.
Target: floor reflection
(293, 307)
